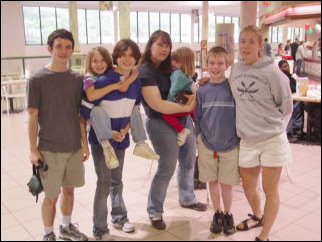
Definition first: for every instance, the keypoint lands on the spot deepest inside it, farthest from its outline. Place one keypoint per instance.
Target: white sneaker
(144, 151)
(182, 136)
(126, 227)
(109, 155)
(104, 237)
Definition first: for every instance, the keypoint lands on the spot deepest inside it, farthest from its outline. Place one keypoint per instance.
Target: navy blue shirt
(118, 105)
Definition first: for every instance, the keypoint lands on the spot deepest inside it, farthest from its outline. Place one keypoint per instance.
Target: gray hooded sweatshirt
(263, 99)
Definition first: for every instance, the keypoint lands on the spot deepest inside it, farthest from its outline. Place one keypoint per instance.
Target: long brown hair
(165, 65)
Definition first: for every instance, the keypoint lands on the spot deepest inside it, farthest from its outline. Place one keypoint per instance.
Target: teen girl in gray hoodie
(263, 108)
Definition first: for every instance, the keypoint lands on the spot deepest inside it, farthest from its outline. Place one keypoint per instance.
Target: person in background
(295, 125)
(155, 70)
(218, 144)
(54, 101)
(294, 47)
(300, 55)
(287, 47)
(267, 48)
(280, 50)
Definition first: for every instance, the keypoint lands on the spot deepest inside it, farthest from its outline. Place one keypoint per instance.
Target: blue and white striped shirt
(118, 105)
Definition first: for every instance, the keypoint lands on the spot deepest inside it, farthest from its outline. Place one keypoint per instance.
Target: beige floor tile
(8, 221)
(295, 232)
(17, 233)
(299, 217)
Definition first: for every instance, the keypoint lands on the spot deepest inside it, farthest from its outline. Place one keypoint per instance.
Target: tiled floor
(299, 218)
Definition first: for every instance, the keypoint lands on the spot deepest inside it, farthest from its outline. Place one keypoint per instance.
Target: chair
(14, 89)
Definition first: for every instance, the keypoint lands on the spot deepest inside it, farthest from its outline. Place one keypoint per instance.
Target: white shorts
(274, 152)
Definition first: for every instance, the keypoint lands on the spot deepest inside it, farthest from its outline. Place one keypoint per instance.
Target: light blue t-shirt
(179, 81)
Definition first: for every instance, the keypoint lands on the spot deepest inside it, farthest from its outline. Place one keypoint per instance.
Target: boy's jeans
(108, 182)
(101, 123)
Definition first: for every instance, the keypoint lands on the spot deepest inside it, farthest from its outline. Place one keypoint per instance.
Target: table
(297, 97)
(308, 99)
(7, 85)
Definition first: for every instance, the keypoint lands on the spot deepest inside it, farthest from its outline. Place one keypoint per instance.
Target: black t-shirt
(150, 76)
(294, 47)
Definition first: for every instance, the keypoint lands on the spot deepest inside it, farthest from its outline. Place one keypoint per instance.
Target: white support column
(205, 8)
(248, 13)
(73, 22)
(124, 19)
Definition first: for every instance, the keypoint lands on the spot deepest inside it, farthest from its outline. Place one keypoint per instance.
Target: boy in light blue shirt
(218, 144)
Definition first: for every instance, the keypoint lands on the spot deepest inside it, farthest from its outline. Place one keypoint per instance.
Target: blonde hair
(257, 31)
(218, 51)
(103, 52)
(186, 57)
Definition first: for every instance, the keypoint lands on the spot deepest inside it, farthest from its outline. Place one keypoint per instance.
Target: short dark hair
(280, 64)
(60, 33)
(265, 39)
(218, 50)
(122, 46)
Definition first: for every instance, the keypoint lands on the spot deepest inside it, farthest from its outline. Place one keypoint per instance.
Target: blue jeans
(101, 123)
(108, 182)
(298, 66)
(164, 141)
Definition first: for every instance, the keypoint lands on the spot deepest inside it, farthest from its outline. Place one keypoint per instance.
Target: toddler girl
(183, 62)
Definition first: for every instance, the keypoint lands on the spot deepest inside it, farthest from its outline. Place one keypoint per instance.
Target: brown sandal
(245, 223)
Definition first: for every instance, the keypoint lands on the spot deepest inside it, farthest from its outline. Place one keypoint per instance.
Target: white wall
(12, 30)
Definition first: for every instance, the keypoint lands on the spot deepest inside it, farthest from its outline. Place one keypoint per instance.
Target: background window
(227, 20)
(107, 27)
(212, 28)
(185, 28)
(280, 35)
(48, 22)
(32, 25)
(219, 19)
(165, 22)
(143, 27)
(175, 27)
(196, 31)
(134, 26)
(235, 21)
(93, 26)
(82, 33)
(62, 18)
(154, 22)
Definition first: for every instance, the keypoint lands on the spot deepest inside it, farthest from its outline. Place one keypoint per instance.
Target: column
(124, 19)
(73, 22)
(205, 8)
(76, 61)
(248, 13)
